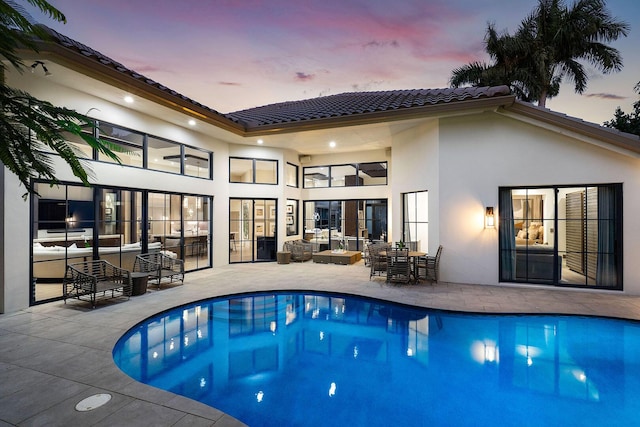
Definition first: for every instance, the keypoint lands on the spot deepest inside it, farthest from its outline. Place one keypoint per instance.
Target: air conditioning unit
(304, 159)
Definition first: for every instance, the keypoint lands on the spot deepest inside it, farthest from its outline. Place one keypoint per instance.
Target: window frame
(95, 155)
(297, 175)
(254, 161)
(359, 170)
(407, 222)
(514, 257)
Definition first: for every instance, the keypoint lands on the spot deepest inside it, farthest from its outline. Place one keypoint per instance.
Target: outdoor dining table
(413, 257)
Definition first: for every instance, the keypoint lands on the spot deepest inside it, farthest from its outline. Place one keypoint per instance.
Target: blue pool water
(312, 359)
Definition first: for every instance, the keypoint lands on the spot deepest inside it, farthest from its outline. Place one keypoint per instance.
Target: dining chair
(377, 263)
(428, 267)
(398, 265)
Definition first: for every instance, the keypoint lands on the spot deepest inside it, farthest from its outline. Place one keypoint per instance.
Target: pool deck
(54, 355)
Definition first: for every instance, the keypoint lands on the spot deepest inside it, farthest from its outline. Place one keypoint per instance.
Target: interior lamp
(489, 218)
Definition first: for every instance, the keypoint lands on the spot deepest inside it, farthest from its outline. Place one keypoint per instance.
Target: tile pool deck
(54, 355)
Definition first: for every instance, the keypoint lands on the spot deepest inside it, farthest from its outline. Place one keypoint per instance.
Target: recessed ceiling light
(128, 99)
(260, 142)
(332, 144)
(192, 122)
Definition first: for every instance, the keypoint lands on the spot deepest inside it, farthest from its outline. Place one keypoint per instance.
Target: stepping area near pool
(54, 356)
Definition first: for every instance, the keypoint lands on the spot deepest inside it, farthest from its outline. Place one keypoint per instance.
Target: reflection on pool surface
(294, 359)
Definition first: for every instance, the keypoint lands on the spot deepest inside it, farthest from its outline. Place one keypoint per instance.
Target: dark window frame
(358, 170)
(254, 170)
(297, 169)
(508, 252)
(145, 156)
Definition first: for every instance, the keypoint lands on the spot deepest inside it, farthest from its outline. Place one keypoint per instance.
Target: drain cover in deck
(93, 402)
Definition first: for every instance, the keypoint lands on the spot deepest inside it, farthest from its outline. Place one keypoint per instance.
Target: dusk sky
(237, 54)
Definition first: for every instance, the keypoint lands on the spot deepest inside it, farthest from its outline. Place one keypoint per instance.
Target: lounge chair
(159, 266)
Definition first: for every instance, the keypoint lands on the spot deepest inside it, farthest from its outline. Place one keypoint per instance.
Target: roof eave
(92, 68)
(426, 111)
(625, 141)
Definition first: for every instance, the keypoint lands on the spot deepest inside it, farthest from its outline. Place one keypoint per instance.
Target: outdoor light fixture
(489, 219)
(35, 65)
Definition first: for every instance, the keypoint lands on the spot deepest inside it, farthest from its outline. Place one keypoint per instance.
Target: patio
(54, 355)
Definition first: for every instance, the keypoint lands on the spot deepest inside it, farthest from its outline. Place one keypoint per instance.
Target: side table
(139, 282)
(283, 257)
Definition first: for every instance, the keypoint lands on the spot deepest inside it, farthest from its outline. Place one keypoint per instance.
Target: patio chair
(398, 266)
(428, 267)
(301, 250)
(159, 266)
(377, 263)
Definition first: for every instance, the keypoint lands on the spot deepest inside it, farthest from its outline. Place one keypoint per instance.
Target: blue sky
(236, 54)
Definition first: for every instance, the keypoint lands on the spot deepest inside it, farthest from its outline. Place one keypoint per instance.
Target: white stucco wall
(415, 165)
(16, 246)
(479, 154)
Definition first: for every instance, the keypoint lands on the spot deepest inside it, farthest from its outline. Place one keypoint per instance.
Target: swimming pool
(301, 358)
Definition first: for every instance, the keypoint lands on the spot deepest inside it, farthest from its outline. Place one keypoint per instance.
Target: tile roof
(354, 103)
(341, 105)
(100, 58)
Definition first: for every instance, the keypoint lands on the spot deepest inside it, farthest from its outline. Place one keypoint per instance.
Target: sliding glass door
(73, 223)
(329, 223)
(252, 230)
(565, 236)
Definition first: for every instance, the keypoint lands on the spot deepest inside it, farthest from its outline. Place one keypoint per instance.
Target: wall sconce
(489, 218)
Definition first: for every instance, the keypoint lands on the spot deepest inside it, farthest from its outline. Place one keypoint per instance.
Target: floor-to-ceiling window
(180, 224)
(562, 235)
(252, 230)
(73, 223)
(415, 220)
(330, 223)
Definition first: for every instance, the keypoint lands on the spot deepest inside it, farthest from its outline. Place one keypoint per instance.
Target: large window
(327, 223)
(566, 236)
(131, 142)
(415, 220)
(145, 151)
(164, 155)
(253, 171)
(73, 223)
(349, 175)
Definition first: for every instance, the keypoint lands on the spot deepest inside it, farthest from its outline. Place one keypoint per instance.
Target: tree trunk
(542, 101)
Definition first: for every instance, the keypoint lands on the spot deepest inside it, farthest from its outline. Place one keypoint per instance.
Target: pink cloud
(303, 77)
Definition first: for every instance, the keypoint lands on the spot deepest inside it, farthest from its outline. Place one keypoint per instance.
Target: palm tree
(28, 126)
(547, 47)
